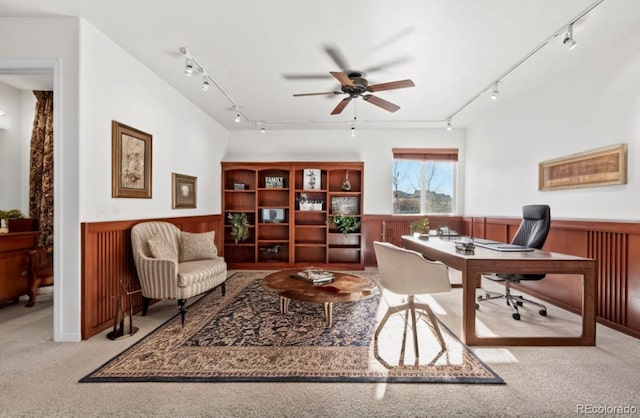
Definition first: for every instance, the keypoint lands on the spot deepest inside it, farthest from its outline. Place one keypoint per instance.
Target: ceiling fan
(356, 86)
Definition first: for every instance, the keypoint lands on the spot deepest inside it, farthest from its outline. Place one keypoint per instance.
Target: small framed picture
(238, 186)
(312, 179)
(273, 215)
(183, 191)
(273, 182)
(344, 205)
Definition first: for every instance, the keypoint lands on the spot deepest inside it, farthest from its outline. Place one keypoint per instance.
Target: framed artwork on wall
(183, 191)
(273, 215)
(130, 162)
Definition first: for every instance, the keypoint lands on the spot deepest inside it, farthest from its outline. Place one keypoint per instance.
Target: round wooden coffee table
(344, 288)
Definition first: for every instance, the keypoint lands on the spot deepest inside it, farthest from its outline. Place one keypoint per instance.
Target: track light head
(205, 83)
(495, 93)
(237, 118)
(262, 130)
(353, 131)
(449, 127)
(188, 67)
(568, 38)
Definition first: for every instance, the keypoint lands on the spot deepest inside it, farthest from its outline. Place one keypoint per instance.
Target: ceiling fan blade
(381, 103)
(322, 76)
(318, 94)
(385, 65)
(391, 85)
(343, 103)
(337, 57)
(342, 78)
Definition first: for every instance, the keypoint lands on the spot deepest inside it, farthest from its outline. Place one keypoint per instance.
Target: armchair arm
(158, 277)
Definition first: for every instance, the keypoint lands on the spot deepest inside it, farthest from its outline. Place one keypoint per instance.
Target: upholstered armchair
(174, 264)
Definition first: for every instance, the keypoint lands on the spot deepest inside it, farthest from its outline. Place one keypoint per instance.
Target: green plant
(11, 214)
(345, 224)
(239, 226)
(420, 225)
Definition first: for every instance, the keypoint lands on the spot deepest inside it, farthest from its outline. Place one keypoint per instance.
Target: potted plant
(420, 227)
(345, 224)
(239, 226)
(13, 220)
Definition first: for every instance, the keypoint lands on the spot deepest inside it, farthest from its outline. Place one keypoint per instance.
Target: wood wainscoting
(107, 260)
(614, 245)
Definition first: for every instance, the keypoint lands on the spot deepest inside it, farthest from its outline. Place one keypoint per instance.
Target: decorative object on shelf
(312, 179)
(239, 226)
(344, 205)
(420, 228)
(183, 191)
(273, 182)
(130, 162)
(270, 252)
(345, 224)
(307, 204)
(465, 247)
(273, 215)
(238, 186)
(346, 184)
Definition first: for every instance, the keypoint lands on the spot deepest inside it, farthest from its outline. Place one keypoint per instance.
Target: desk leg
(588, 307)
(469, 284)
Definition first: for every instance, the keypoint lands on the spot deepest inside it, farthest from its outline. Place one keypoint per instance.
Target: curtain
(41, 171)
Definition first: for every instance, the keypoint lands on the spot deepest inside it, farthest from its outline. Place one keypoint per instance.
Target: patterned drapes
(41, 173)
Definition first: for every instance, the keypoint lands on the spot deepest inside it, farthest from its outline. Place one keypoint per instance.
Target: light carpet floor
(40, 377)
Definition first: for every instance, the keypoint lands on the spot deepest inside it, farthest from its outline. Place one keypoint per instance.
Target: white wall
(372, 146)
(594, 104)
(115, 86)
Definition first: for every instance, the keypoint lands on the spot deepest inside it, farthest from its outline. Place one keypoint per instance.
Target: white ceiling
(262, 52)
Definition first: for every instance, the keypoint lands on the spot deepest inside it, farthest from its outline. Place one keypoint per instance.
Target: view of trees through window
(423, 186)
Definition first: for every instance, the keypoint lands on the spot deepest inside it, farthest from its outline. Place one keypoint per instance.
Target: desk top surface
(449, 247)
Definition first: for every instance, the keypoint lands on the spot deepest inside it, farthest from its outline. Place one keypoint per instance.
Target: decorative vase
(346, 184)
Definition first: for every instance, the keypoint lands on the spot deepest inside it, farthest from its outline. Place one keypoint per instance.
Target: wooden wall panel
(107, 261)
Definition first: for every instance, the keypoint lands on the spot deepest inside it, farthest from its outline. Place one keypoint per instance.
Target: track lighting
(568, 38)
(262, 130)
(353, 131)
(449, 127)
(494, 95)
(237, 119)
(188, 67)
(205, 83)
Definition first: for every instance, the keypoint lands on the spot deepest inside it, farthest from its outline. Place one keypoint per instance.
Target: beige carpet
(40, 377)
(243, 337)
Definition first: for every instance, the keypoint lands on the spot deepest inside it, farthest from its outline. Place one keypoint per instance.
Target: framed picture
(273, 182)
(312, 179)
(601, 167)
(272, 215)
(130, 162)
(344, 205)
(183, 191)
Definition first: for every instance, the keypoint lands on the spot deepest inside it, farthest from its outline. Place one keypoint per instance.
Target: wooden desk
(489, 261)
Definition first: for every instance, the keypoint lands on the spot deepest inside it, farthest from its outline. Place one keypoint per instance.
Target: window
(424, 180)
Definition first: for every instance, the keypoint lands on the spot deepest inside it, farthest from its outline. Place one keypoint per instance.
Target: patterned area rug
(243, 337)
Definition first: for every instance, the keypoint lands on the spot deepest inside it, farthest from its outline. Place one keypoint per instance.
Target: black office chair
(532, 233)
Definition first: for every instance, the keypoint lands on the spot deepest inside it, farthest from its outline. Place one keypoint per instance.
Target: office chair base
(516, 300)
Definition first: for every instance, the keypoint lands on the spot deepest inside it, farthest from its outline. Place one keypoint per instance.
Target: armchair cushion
(159, 247)
(197, 246)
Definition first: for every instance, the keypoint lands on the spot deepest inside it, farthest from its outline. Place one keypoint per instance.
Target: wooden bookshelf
(285, 231)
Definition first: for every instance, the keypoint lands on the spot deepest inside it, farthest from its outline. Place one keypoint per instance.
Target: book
(314, 276)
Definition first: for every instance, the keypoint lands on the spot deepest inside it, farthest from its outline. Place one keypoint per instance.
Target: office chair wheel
(543, 312)
(516, 316)
(479, 298)
(478, 307)
(519, 303)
